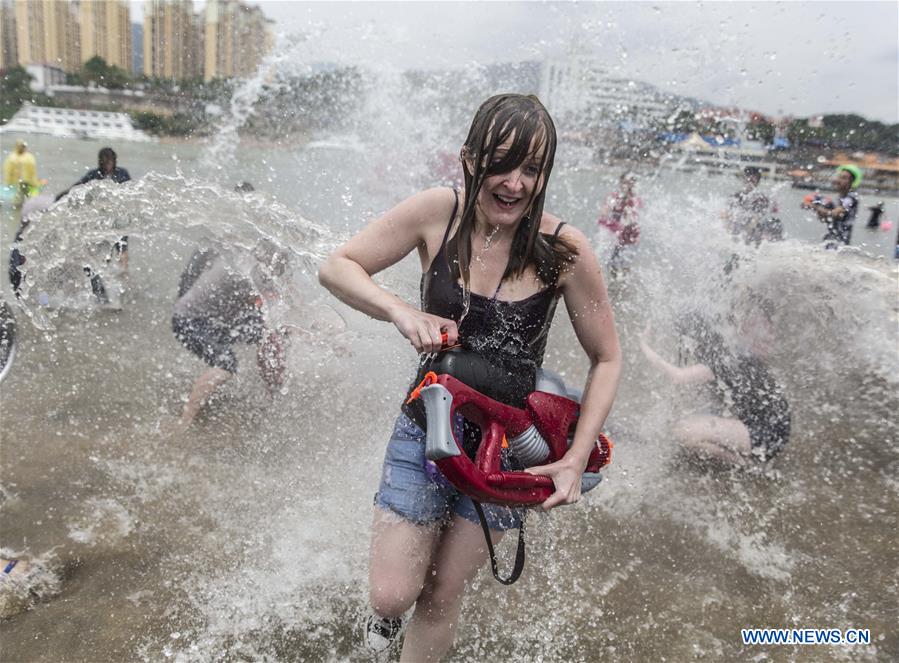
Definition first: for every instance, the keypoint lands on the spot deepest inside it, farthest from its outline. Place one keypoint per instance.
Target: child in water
(494, 265)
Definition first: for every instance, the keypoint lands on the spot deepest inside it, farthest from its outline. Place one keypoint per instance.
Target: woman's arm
(591, 314)
(695, 374)
(385, 241)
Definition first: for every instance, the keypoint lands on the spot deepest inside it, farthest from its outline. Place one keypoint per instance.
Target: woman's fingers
(429, 333)
(426, 338)
(564, 494)
(451, 332)
(561, 497)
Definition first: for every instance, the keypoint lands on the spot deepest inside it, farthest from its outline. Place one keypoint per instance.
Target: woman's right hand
(425, 331)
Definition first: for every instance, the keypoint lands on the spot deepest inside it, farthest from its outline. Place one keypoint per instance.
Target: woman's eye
(532, 170)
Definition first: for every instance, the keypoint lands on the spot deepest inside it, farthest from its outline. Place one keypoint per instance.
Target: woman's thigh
(400, 556)
(461, 552)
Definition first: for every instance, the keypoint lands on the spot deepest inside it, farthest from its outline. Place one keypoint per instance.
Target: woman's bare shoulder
(550, 224)
(435, 202)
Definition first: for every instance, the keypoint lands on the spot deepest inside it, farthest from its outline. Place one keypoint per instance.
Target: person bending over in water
(754, 421)
(494, 264)
(218, 307)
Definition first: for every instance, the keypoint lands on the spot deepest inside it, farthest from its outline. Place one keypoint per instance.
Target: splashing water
(247, 539)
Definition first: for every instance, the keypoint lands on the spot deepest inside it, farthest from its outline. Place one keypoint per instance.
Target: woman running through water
(493, 267)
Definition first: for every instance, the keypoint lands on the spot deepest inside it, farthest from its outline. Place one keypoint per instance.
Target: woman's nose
(513, 179)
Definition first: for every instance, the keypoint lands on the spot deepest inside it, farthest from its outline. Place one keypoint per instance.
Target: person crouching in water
(216, 308)
(494, 265)
(753, 419)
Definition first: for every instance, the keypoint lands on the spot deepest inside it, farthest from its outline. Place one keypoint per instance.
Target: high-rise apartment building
(106, 31)
(47, 32)
(9, 56)
(227, 39)
(137, 48)
(173, 45)
(237, 37)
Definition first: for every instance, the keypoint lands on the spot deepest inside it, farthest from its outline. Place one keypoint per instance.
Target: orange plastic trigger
(429, 379)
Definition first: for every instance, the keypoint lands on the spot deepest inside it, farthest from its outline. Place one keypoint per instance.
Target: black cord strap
(519, 554)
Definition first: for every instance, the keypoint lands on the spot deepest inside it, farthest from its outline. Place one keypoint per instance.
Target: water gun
(813, 199)
(537, 434)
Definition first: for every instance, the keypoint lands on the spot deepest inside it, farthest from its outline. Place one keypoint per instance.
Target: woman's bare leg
(460, 553)
(400, 556)
(719, 437)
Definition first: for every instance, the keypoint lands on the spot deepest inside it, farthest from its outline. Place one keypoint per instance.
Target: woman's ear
(467, 161)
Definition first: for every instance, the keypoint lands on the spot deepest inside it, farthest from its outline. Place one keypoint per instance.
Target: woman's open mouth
(505, 202)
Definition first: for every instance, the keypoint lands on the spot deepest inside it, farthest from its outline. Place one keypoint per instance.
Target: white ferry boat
(71, 123)
(692, 152)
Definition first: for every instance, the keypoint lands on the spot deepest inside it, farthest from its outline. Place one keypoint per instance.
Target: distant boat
(716, 154)
(72, 123)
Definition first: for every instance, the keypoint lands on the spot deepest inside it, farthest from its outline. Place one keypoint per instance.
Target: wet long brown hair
(524, 119)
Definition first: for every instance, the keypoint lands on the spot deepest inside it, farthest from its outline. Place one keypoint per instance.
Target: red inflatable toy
(538, 434)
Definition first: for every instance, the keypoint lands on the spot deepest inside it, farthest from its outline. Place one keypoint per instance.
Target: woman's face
(505, 197)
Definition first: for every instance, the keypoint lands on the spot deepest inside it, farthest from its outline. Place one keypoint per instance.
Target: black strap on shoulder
(452, 216)
(519, 553)
(556, 234)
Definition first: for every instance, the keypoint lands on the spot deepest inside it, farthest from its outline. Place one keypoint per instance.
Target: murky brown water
(248, 538)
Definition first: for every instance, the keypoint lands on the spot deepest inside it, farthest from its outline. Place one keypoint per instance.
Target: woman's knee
(392, 599)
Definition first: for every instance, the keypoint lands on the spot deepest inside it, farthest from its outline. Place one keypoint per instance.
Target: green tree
(96, 70)
(761, 131)
(846, 132)
(15, 85)
(684, 122)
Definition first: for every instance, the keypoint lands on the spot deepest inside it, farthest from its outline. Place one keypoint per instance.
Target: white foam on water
(105, 521)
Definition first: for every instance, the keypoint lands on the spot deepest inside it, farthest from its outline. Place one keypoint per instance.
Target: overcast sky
(796, 58)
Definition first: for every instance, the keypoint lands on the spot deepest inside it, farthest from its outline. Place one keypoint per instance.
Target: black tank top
(510, 335)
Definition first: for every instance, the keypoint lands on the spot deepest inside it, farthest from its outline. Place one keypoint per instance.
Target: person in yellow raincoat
(20, 172)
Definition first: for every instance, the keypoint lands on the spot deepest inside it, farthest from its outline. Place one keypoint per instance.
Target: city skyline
(224, 39)
(801, 59)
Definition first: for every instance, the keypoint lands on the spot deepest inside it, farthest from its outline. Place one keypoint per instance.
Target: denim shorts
(422, 497)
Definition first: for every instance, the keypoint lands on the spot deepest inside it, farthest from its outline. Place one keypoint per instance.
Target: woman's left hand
(566, 475)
